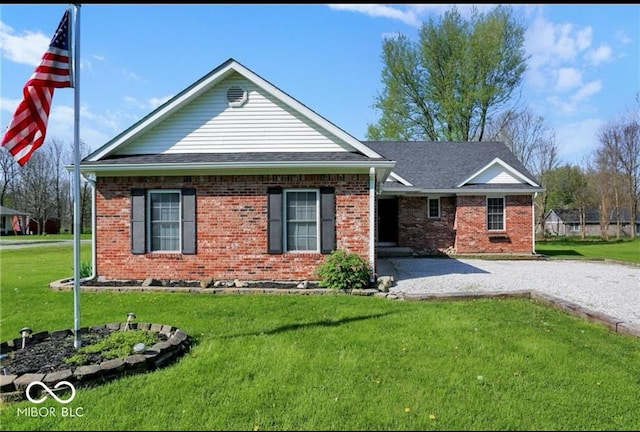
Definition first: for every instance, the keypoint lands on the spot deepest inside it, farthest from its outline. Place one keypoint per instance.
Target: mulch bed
(49, 355)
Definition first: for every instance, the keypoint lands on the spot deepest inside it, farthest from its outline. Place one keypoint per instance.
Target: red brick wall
(472, 235)
(231, 219)
(423, 234)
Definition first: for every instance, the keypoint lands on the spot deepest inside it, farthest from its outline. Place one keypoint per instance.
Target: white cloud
(584, 38)
(568, 78)
(130, 100)
(130, 75)
(156, 102)
(9, 105)
(622, 37)
(552, 43)
(411, 14)
(26, 48)
(380, 10)
(576, 101)
(587, 91)
(576, 141)
(150, 104)
(601, 54)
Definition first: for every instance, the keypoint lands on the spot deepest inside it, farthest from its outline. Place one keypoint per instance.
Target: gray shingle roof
(443, 165)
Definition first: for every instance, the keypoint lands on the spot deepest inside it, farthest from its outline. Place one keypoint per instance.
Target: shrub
(342, 271)
(85, 269)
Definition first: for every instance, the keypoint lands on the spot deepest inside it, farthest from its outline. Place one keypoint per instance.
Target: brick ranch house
(233, 178)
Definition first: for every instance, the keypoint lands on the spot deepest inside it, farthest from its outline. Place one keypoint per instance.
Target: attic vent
(236, 96)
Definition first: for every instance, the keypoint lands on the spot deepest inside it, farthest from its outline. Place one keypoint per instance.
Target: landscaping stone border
(67, 285)
(13, 387)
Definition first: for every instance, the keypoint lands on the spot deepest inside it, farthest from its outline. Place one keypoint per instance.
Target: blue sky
(584, 68)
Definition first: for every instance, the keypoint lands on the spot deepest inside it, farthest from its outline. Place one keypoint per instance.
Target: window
(433, 207)
(301, 220)
(301, 227)
(164, 221)
(495, 214)
(574, 227)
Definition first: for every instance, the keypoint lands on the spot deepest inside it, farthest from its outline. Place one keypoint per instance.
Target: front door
(388, 222)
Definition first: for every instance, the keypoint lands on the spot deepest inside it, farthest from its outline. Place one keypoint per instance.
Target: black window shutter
(138, 231)
(274, 218)
(189, 221)
(327, 220)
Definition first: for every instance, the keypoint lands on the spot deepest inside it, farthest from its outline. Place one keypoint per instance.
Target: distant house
(234, 178)
(13, 221)
(559, 222)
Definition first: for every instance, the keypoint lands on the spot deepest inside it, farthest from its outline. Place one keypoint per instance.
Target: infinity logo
(51, 393)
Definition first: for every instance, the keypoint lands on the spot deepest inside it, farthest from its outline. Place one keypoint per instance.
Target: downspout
(92, 183)
(93, 229)
(533, 222)
(372, 222)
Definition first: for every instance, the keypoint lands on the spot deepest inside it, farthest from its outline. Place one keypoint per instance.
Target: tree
(8, 174)
(85, 191)
(35, 194)
(568, 188)
(620, 145)
(447, 85)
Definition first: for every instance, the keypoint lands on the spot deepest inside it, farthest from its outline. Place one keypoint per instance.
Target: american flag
(28, 125)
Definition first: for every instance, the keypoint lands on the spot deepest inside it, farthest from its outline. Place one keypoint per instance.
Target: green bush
(342, 271)
(85, 269)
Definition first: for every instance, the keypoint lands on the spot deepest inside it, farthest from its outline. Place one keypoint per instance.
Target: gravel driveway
(613, 289)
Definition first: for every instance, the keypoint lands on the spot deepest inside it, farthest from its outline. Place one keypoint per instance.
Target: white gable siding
(495, 174)
(209, 125)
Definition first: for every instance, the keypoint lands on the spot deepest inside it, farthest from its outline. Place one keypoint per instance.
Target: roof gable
(496, 172)
(200, 119)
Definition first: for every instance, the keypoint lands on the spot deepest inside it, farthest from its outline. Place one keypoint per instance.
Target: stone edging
(13, 387)
(614, 324)
(66, 285)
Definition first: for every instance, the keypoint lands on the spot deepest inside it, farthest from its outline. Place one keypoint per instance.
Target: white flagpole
(77, 229)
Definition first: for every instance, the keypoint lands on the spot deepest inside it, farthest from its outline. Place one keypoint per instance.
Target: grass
(40, 237)
(569, 248)
(335, 362)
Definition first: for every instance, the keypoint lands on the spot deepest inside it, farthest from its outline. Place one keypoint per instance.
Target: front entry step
(394, 251)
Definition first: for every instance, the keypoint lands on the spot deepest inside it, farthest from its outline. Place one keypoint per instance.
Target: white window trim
(285, 220)
(149, 221)
(504, 213)
(429, 208)
(574, 227)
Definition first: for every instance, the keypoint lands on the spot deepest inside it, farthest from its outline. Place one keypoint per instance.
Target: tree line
(43, 187)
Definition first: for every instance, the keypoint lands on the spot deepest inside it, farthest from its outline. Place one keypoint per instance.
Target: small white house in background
(13, 221)
(566, 222)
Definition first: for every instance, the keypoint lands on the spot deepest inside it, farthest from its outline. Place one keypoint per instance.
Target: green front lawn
(621, 250)
(333, 362)
(10, 238)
